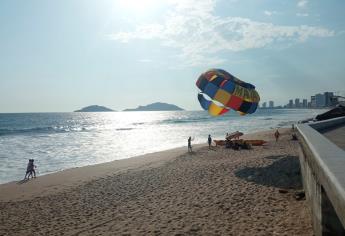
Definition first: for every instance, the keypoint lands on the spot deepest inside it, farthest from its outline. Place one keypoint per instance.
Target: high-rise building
(271, 104)
(334, 101)
(312, 101)
(328, 98)
(320, 100)
(264, 105)
(290, 105)
(297, 104)
(305, 103)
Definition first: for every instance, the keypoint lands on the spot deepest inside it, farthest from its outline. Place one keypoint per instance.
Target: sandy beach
(209, 192)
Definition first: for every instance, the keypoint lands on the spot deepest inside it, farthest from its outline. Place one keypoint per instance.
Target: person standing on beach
(30, 169)
(190, 144)
(276, 135)
(209, 140)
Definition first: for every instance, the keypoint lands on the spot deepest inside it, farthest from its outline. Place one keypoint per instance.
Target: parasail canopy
(221, 91)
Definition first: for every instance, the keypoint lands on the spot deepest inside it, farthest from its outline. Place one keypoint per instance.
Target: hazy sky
(66, 54)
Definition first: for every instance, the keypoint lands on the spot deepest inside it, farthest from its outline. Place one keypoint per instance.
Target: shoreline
(174, 149)
(218, 191)
(197, 145)
(76, 175)
(47, 184)
(61, 180)
(62, 145)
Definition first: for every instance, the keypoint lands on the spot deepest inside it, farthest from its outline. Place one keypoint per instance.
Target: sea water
(59, 141)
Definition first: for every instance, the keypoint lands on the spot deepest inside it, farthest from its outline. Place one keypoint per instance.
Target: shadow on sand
(23, 181)
(283, 173)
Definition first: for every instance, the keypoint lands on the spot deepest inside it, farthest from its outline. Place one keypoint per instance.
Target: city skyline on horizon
(60, 56)
(325, 100)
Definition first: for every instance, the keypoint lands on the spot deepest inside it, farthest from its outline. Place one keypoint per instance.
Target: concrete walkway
(337, 136)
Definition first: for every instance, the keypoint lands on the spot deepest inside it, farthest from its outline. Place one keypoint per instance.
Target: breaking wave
(47, 129)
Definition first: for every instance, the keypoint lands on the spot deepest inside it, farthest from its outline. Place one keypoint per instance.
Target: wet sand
(209, 192)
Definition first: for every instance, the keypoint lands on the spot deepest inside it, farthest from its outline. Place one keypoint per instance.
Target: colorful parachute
(221, 91)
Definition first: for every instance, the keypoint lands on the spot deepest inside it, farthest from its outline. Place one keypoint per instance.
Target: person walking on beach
(30, 169)
(209, 140)
(276, 135)
(190, 144)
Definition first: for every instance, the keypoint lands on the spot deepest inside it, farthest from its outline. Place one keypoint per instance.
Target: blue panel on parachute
(253, 108)
(229, 86)
(211, 90)
(203, 101)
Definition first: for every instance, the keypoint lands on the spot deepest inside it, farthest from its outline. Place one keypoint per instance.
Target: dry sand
(208, 192)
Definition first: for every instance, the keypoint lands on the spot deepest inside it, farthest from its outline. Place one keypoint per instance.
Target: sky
(58, 56)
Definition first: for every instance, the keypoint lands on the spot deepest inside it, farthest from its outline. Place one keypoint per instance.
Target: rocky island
(157, 106)
(94, 108)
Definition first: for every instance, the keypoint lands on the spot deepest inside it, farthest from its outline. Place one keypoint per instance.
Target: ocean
(59, 141)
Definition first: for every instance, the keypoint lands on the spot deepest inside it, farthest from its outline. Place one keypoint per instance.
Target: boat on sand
(253, 142)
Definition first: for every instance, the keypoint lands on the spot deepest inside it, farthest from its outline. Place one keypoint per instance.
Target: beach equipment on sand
(233, 135)
(240, 142)
(221, 91)
(255, 142)
(220, 142)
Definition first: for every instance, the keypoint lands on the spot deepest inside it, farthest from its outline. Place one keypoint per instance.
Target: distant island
(94, 108)
(157, 106)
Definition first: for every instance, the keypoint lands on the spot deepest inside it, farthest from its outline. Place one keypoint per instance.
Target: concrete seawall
(323, 171)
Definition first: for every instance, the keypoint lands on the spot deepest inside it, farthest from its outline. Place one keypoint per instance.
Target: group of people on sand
(209, 141)
(30, 170)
